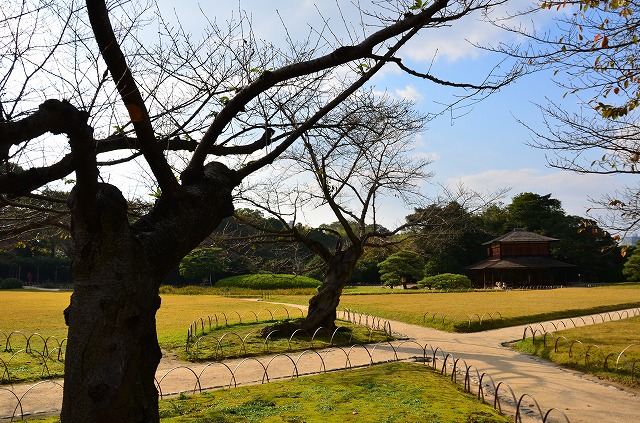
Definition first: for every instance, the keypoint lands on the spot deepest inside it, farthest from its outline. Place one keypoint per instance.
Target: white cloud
(572, 189)
(409, 92)
(459, 40)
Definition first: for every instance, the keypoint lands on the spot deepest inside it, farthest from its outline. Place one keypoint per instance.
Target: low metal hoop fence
(625, 362)
(46, 351)
(204, 325)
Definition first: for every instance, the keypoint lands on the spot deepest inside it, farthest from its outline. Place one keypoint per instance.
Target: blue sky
(485, 149)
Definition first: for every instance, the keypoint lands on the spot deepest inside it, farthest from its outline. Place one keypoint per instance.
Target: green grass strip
(388, 393)
(394, 392)
(611, 338)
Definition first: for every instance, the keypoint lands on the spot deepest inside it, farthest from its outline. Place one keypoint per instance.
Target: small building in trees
(519, 258)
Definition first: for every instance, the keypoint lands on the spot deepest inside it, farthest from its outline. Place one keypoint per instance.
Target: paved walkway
(581, 398)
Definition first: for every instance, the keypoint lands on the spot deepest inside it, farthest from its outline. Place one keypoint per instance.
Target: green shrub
(186, 290)
(445, 281)
(11, 283)
(268, 281)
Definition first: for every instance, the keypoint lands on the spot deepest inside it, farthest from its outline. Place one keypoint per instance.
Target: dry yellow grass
(515, 307)
(30, 311)
(508, 303)
(41, 312)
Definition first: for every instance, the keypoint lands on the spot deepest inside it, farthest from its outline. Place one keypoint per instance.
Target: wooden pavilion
(519, 258)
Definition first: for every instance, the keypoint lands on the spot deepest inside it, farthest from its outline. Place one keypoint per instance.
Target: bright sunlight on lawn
(586, 348)
(509, 308)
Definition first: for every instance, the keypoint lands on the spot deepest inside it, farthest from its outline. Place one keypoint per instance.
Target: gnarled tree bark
(323, 306)
(112, 347)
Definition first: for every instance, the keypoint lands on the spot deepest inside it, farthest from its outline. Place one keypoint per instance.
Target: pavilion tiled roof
(534, 262)
(520, 235)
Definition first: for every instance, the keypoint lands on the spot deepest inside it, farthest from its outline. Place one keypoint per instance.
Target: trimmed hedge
(268, 281)
(445, 281)
(10, 283)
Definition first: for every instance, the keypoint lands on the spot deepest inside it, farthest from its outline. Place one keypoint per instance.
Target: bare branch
(127, 87)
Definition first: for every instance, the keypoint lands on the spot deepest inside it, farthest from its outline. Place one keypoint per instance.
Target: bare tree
(82, 80)
(358, 155)
(593, 54)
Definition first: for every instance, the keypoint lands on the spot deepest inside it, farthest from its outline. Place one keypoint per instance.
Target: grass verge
(394, 392)
(244, 340)
(388, 393)
(586, 348)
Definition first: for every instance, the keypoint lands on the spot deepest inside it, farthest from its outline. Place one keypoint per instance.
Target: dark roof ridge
(520, 235)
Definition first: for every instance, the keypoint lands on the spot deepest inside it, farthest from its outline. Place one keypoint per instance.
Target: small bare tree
(360, 154)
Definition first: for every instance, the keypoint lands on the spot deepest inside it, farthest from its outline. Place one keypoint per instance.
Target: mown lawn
(453, 311)
(395, 392)
(25, 313)
(586, 348)
(39, 312)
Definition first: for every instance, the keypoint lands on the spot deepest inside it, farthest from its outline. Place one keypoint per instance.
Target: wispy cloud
(572, 189)
(459, 41)
(409, 92)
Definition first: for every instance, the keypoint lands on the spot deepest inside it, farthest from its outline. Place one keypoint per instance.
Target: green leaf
(417, 5)
(363, 67)
(260, 71)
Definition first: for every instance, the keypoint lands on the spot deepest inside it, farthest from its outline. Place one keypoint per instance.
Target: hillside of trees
(43, 256)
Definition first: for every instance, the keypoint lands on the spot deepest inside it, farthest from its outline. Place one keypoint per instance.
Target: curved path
(580, 397)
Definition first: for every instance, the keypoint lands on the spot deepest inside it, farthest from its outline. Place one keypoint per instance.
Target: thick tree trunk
(112, 350)
(324, 305)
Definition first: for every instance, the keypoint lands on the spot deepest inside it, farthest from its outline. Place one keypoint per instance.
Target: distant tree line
(236, 248)
(444, 245)
(581, 241)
